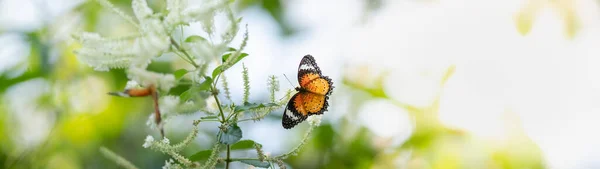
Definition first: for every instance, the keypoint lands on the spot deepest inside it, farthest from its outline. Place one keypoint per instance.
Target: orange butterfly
(312, 95)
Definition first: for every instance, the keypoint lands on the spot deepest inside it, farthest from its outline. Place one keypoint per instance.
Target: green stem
(228, 157)
(174, 43)
(223, 120)
(178, 53)
(240, 159)
(118, 159)
(227, 160)
(258, 117)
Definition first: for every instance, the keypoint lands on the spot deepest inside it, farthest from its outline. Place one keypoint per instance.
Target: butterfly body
(313, 94)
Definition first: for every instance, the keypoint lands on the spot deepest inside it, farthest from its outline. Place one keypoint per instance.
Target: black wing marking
(308, 65)
(291, 116)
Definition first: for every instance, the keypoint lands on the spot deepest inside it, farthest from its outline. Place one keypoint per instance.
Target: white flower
(168, 164)
(131, 84)
(148, 141)
(314, 120)
(146, 78)
(169, 105)
(104, 53)
(203, 49)
(174, 18)
(150, 122)
(141, 9)
(166, 141)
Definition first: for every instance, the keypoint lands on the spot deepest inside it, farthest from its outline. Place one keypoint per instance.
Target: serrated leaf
(201, 155)
(217, 71)
(232, 135)
(250, 106)
(243, 145)
(194, 38)
(179, 73)
(256, 163)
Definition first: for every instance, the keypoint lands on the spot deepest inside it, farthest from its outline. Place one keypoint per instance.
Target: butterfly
(312, 95)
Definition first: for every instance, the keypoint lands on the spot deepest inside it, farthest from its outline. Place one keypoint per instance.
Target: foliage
(153, 38)
(525, 18)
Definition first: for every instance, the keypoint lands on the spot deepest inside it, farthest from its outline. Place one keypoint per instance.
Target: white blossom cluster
(153, 38)
(314, 120)
(148, 141)
(131, 51)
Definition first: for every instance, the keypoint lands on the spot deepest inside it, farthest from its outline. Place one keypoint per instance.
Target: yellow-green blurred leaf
(525, 17)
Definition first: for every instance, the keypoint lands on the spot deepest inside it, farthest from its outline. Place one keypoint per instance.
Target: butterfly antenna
(288, 80)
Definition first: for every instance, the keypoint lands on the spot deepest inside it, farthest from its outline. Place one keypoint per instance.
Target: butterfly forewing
(309, 63)
(319, 86)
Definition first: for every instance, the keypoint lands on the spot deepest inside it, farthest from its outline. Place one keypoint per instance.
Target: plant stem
(118, 159)
(223, 120)
(228, 159)
(240, 159)
(174, 43)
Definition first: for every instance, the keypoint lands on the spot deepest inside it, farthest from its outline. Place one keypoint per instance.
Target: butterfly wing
(311, 79)
(308, 63)
(293, 113)
(308, 70)
(302, 105)
(313, 95)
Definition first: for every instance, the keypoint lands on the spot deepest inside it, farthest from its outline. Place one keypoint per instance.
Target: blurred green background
(388, 110)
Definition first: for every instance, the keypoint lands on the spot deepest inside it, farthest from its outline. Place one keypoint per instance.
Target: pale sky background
(551, 82)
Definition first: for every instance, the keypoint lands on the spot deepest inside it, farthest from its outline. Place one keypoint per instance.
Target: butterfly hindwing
(292, 115)
(314, 104)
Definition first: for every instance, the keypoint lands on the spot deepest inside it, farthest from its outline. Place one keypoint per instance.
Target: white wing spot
(306, 66)
(290, 114)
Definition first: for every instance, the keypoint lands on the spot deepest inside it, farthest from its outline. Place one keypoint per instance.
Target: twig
(174, 43)
(118, 159)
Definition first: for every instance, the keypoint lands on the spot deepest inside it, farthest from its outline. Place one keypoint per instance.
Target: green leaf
(194, 38)
(232, 135)
(243, 145)
(217, 71)
(194, 91)
(201, 155)
(185, 96)
(240, 57)
(205, 86)
(256, 163)
(225, 57)
(230, 49)
(243, 55)
(179, 73)
(250, 106)
(209, 117)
